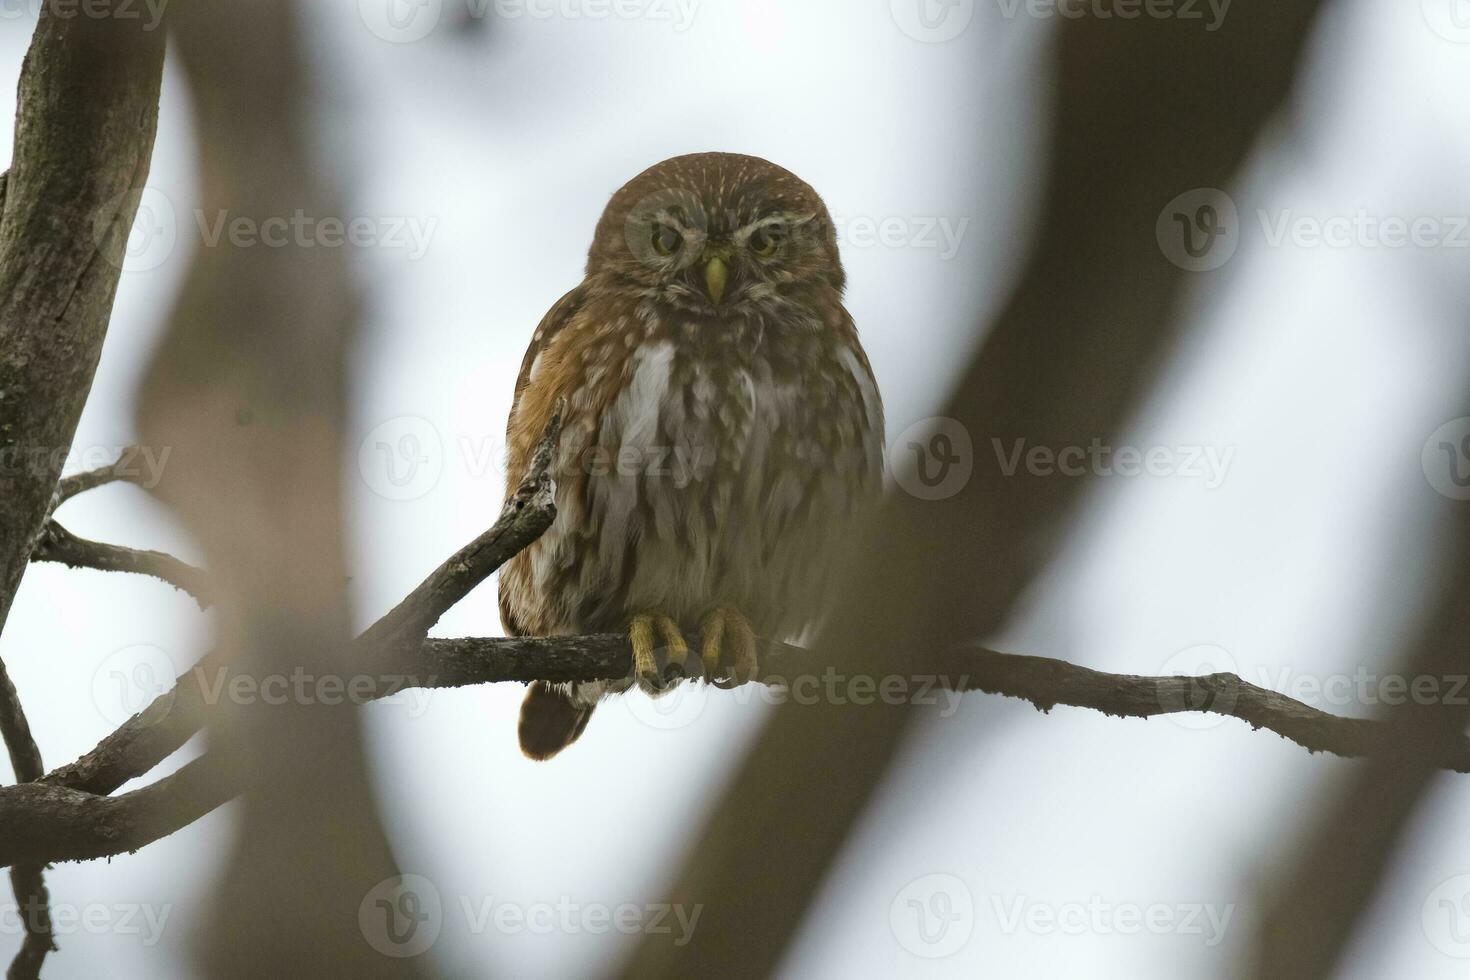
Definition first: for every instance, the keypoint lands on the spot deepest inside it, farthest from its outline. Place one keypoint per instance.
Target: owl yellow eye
(765, 242)
(666, 240)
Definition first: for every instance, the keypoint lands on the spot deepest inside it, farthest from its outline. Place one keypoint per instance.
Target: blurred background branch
(249, 390)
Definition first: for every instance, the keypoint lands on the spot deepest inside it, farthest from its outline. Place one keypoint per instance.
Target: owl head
(718, 233)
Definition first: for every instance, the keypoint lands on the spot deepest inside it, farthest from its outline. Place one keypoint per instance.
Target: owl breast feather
(704, 474)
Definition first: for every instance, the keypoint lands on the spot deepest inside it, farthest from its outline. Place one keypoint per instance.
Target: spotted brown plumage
(722, 431)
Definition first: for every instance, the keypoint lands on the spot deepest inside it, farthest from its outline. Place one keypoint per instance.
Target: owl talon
(726, 634)
(645, 632)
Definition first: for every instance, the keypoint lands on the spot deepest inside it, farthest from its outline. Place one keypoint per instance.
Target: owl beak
(716, 278)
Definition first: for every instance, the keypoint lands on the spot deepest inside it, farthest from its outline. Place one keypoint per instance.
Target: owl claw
(645, 631)
(726, 623)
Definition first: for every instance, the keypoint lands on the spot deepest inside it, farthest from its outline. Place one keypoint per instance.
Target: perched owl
(722, 433)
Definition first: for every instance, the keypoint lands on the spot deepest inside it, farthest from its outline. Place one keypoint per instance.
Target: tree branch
(29, 884)
(88, 109)
(57, 544)
(93, 825)
(69, 825)
(1044, 682)
(125, 470)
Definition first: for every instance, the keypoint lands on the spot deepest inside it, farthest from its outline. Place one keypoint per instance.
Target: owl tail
(550, 721)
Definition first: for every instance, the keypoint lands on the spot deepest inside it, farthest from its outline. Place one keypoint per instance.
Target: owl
(721, 440)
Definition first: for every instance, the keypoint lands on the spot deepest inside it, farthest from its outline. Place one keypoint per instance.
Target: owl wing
(551, 324)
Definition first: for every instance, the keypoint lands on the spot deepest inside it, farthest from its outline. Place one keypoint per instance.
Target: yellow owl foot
(647, 632)
(727, 636)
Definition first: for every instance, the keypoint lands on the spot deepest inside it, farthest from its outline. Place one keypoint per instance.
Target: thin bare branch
(59, 545)
(125, 470)
(34, 901)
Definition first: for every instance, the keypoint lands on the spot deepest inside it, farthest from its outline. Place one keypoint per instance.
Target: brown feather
(550, 721)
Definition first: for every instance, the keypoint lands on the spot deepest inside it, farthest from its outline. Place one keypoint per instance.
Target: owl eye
(666, 240)
(765, 241)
